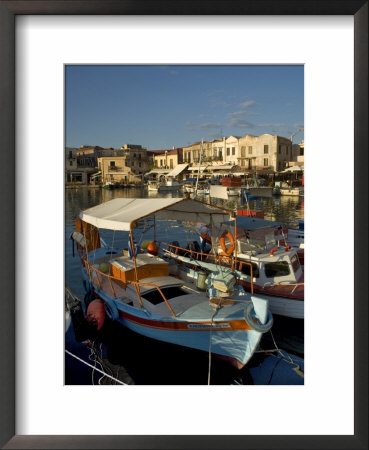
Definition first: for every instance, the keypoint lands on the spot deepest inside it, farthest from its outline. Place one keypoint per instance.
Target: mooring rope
(94, 367)
(210, 336)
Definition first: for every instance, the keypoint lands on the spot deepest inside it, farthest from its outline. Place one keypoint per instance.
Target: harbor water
(127, 358)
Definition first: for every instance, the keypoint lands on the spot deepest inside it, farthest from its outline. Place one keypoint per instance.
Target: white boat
(295, 191)
(165, 301)
(264, 264)
(152, 186)
(169, 184)
(233, 191)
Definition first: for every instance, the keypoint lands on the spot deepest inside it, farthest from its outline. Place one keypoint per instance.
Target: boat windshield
(277, 269)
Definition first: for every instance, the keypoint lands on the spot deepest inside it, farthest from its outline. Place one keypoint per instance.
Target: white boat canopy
(122, 213)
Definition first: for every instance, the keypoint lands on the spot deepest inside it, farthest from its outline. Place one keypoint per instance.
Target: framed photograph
(38, 41)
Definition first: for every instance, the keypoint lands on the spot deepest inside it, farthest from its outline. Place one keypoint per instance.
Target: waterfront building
(115, 169)
(218, 147)
(166, 159)
(191, 153)
(298, 153)
(137, 158)
(231, 150)
(81, 163)
(264, 153)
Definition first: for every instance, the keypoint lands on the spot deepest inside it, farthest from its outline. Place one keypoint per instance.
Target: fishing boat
(294, 191)
(262, 262)
(167, 302)
(152, 186)
(170, 184)
(108, 185)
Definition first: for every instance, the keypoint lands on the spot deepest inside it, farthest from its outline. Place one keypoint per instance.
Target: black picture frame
(8, 12)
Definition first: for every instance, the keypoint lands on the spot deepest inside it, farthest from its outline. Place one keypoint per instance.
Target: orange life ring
(273, 250)
(227, 250)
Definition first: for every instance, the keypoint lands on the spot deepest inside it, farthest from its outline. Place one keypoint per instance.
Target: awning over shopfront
(197, 168)
(158, 172)
(223, 167)
(177, 170)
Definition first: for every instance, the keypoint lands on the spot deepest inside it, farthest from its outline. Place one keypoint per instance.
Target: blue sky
(174, 106)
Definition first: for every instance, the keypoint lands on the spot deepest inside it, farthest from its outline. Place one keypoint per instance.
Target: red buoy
(96, 313)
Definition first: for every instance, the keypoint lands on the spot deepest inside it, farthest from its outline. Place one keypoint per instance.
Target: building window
(243, 152)
(112, 164)
(161, 163)
(220, 154)
(265, 162)
(250, 150)
(171, 163)
(242, 162)
(139, 164)
(139, 156)
(233, 151)
(71, 163)
(279, 149)
(228, 151)
(70, 154)
(266, 149)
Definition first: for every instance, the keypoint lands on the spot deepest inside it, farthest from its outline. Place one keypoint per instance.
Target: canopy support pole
(137, 287)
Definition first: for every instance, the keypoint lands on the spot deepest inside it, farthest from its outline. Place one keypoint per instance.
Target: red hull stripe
(230, 325)
(277, 290)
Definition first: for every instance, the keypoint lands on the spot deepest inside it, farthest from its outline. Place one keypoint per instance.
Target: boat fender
(287, 247)
(152, 248)
(273, 250)
(227, 250)
(111, 309)
(96, 314)
(145, 243)
(257, 326)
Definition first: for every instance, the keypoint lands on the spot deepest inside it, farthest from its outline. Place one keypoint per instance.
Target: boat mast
(198, 171)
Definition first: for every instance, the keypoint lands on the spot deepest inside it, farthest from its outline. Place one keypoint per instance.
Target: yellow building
(115, 170)
(167, 159)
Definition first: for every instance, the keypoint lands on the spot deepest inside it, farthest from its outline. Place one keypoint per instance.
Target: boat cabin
(279, 265)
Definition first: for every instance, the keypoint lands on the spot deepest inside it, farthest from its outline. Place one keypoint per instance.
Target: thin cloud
(238, 119)
(247, 104)
(240, 123)
(210, 125)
